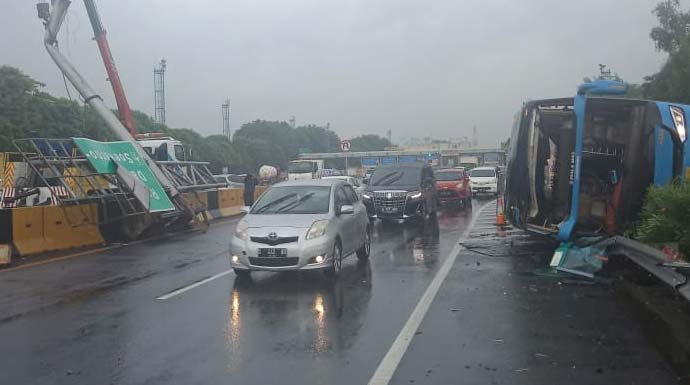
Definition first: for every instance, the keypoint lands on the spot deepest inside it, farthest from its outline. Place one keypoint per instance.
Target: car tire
(242, 272)
(364, 251)
(336, 260)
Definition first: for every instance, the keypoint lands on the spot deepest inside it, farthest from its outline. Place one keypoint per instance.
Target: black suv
(401, 191)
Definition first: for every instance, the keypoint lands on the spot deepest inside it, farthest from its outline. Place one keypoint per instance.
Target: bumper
(485, 189)
(409, 210)
(300, 255)
(452, 195)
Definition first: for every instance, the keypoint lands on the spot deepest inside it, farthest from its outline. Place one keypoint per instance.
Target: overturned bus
(582, 165)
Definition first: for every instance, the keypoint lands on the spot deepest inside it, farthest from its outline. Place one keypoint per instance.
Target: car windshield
(483, 173)
(392, 176)
(443, 176)
(300, 167)
(294, 200)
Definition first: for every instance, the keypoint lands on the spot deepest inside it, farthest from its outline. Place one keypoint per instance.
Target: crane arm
(123, 108)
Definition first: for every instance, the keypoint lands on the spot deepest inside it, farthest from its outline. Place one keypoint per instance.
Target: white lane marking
(195, 284)
(391, 360)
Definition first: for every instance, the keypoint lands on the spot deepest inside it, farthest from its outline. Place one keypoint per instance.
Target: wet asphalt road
(96, 319)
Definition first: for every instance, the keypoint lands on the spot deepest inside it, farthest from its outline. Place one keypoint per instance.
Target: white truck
(161, 147)
(305, 169)
(469, 162)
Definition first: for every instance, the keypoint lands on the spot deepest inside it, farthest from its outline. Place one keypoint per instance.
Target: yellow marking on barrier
(8, 180)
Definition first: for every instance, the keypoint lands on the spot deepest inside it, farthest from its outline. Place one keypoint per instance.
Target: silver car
(302, 225)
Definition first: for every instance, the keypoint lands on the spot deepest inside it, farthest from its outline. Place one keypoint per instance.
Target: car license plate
(389, 210)
(273, 252)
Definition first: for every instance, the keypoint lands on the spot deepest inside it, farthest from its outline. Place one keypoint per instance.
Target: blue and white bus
(581, 165)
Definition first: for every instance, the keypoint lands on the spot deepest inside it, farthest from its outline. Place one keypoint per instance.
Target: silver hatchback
(302, 225)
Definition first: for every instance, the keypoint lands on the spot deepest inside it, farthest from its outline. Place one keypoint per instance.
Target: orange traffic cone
(500, 216)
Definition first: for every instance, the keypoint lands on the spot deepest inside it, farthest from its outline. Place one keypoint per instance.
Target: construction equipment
(53, 20)
(109, 63)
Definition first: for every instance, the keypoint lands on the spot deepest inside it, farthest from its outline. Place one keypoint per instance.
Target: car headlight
(414, 195)
(366, 195)
(317, 229)
(241, 230)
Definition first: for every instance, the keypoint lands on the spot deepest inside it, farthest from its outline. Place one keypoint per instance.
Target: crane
(99, 33)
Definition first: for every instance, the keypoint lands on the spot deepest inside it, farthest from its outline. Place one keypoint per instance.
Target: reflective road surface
(169, 311)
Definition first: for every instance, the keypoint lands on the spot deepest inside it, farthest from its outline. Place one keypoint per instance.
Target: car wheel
(336, 260)
(242, 272)
(364, 252)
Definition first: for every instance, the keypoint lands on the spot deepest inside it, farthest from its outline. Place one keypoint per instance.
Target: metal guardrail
(650, 259)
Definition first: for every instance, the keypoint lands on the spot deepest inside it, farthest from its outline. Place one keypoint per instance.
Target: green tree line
(672, 36)
(27, 111)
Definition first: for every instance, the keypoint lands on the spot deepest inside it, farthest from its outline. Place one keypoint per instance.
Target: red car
(453, 186)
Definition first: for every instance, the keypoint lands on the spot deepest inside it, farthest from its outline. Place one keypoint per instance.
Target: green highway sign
(106, 156)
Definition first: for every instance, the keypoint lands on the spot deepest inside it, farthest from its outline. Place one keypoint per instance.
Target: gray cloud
(419, 68)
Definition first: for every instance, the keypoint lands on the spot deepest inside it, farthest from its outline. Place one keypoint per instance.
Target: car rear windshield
(391, 176)
(443, 176)
(294, 200)
(483, 173)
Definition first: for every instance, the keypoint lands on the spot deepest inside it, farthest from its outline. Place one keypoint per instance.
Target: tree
(673, 26)
(672, 82)
(369, 143)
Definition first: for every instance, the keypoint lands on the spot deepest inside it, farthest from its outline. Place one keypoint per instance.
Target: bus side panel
(663, 157)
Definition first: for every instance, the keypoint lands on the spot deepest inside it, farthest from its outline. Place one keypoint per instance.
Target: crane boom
(123, 108)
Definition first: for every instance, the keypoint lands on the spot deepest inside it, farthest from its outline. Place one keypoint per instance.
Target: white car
(484, 180)
(302, 225)
(352, 181)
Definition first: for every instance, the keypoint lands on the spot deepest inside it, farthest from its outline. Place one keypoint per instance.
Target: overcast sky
(420, 68)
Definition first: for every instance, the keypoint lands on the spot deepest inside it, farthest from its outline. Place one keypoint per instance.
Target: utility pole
(159, 91)
(226, 118)
(292, 121)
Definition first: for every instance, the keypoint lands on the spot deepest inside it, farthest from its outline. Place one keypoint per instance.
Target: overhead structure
(159, 91)
(53, 19)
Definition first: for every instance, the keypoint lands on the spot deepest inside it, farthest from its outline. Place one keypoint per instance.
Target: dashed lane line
(181, 290)
(384, 372)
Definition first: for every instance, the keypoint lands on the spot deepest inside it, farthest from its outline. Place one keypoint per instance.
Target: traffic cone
(500, 216)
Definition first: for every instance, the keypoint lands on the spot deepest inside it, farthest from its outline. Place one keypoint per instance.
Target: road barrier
(41, 229)
(221, 203)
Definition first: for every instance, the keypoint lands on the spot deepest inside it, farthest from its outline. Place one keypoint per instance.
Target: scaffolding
(59, 165)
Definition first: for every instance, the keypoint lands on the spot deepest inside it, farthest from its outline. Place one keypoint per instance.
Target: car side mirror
(346, 209)
(245, 209)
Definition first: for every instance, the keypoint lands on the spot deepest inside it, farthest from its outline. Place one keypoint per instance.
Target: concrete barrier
(67, 227)
(41, 229)
(27, 230)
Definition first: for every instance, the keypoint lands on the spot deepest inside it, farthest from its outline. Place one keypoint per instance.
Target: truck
(161, 147)
(469, 162)
(580, 166)
(305, 169)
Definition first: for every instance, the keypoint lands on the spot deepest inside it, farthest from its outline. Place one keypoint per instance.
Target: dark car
(401, 191)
